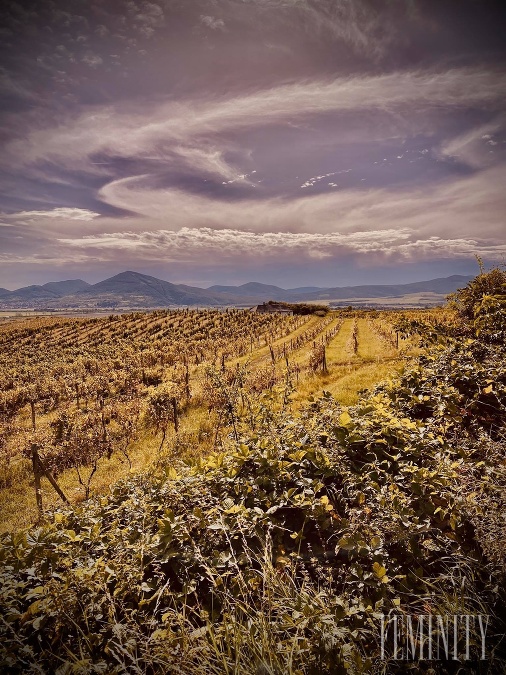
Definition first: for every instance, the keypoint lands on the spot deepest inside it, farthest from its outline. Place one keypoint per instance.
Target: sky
(294, 142)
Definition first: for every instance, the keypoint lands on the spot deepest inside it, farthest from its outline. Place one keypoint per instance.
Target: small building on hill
(273, 308)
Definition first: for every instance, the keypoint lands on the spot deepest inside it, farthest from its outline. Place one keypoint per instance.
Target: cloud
(471, 146)
(202, 160)
(377, 226)
(211, 22)
(62, 213)
(204, 138)
(192, 244)
(232, 242)
(132, 133)
(148, 17)
(456, 207)
(92, 60)
(366, 26)
(354, 22)
(15, 87)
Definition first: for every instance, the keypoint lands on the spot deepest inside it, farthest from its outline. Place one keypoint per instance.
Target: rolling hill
(135, 290)
(441, 286)
(141, 290)
(49, 291)
(62, 288)
(254, 289)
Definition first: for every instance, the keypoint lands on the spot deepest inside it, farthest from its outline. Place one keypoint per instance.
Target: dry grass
(263, 354)
(349, 373)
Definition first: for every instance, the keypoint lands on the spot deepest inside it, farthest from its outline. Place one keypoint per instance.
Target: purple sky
(295, 142)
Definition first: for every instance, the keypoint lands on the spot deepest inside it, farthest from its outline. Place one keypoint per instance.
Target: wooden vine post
(32, 408)
(40, 470)
(174, 410)
(36, 475)
(186, 382)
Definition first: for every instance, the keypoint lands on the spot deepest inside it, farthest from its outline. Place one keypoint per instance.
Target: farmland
(249, 492)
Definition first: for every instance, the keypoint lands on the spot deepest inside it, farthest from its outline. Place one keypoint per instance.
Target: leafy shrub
(491, 283)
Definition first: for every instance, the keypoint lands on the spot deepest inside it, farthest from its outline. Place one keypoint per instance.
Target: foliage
(491, 283)
(280, 556)
(480, 312)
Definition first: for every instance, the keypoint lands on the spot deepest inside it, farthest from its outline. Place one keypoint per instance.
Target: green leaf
(345, 419)
(379, 571)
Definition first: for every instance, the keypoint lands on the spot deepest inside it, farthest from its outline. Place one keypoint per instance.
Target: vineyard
(84, 401)
(236, 492)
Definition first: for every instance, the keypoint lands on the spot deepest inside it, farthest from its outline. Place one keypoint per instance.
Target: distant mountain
(142, 290)
(31, 294)
(49, 291)
(62, 288)
(253, 289)
(442, 286)
(305, 289)
(134, 290)
(260, 291)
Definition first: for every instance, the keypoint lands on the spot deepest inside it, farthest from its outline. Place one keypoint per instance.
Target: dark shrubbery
(301, 307)
(467, 300)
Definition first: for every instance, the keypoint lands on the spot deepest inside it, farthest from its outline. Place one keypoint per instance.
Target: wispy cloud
(61, 213)
(129, 134)
(474, 146)
(456, 206)
(452, 220)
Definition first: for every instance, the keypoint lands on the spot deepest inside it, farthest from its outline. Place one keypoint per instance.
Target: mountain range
(134, 290)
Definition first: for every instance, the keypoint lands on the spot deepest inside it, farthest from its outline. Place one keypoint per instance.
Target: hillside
(62, 288)
(442, 286)
(439, 287)
(30, 294)
(253, 290)
(264, 291)
(34, 295)
(141, 290)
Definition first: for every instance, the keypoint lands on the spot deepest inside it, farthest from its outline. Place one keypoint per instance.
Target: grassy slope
(349, 373)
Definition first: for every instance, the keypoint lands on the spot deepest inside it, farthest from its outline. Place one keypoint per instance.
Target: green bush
(466, 300)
